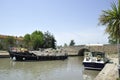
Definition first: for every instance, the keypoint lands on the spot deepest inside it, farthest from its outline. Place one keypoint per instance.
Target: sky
(65, 19)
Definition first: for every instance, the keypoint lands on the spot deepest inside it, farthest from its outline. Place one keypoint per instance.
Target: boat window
(88, 54)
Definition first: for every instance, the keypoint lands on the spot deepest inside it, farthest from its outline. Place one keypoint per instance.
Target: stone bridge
(79, 50)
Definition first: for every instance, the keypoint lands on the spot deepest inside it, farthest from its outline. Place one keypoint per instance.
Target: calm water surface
(70, 69)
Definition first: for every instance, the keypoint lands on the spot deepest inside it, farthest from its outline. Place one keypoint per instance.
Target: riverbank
(110, 71)
(4, 54)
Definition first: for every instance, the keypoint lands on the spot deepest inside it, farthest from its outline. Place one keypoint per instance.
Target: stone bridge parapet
(78, 50)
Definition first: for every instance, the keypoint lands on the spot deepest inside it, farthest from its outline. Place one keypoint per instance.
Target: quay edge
(109, 72)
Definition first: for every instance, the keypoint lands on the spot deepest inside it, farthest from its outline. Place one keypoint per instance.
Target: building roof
(6, 36)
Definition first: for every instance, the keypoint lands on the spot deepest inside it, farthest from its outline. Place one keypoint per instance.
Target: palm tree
(111, 19)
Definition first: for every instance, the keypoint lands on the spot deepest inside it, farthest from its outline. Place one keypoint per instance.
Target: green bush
(1, 47)
(118, 78)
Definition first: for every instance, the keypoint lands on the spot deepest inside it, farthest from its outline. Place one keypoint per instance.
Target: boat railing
(94, 56)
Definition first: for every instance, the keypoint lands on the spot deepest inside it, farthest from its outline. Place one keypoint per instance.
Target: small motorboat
(94, 60)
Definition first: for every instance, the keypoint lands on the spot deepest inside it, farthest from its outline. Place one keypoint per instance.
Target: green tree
(1, 46)
(27, 40)
(72, 43)
(65, 45)
(112, 40)
(37, 39)
(49, 40)
(53, 41)
(10, 41)
(111, 19)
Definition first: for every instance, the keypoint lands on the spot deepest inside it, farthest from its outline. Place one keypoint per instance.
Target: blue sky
(66, 19)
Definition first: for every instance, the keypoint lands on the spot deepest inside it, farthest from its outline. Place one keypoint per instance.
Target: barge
(30, 56)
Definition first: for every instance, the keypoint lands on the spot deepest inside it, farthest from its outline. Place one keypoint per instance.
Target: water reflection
(89, 74)
(70, 69)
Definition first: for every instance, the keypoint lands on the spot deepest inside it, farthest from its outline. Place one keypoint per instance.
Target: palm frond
(119, 7)
(111, 18)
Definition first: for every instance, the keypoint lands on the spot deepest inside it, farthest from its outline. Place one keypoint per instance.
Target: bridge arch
(81, 51)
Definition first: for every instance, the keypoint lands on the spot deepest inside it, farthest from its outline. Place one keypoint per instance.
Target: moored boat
(94, 60)
(26, 55)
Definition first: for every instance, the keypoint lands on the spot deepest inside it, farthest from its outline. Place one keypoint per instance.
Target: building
(6, 41)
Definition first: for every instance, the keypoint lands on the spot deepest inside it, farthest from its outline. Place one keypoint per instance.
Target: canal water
(70, 69)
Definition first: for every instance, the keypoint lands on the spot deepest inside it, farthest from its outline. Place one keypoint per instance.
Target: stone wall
(105, 48)
(73, 50)
(108, 48)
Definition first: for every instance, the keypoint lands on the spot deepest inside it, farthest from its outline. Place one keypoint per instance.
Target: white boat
(94, 60)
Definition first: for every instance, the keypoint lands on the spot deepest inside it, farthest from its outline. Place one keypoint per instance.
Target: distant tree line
(72, 43)
(36, 40)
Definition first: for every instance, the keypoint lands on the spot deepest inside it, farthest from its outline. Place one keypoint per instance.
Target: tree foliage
(111, 18)
(72, 43)
(49, 40)
(1, 46)
(65, 45)
(39, 40)
(27, 40)
(10, 41)
(112, 41)
(34, 41)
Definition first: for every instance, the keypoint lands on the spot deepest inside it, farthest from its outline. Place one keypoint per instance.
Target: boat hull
(93, 65)
(20, 56)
